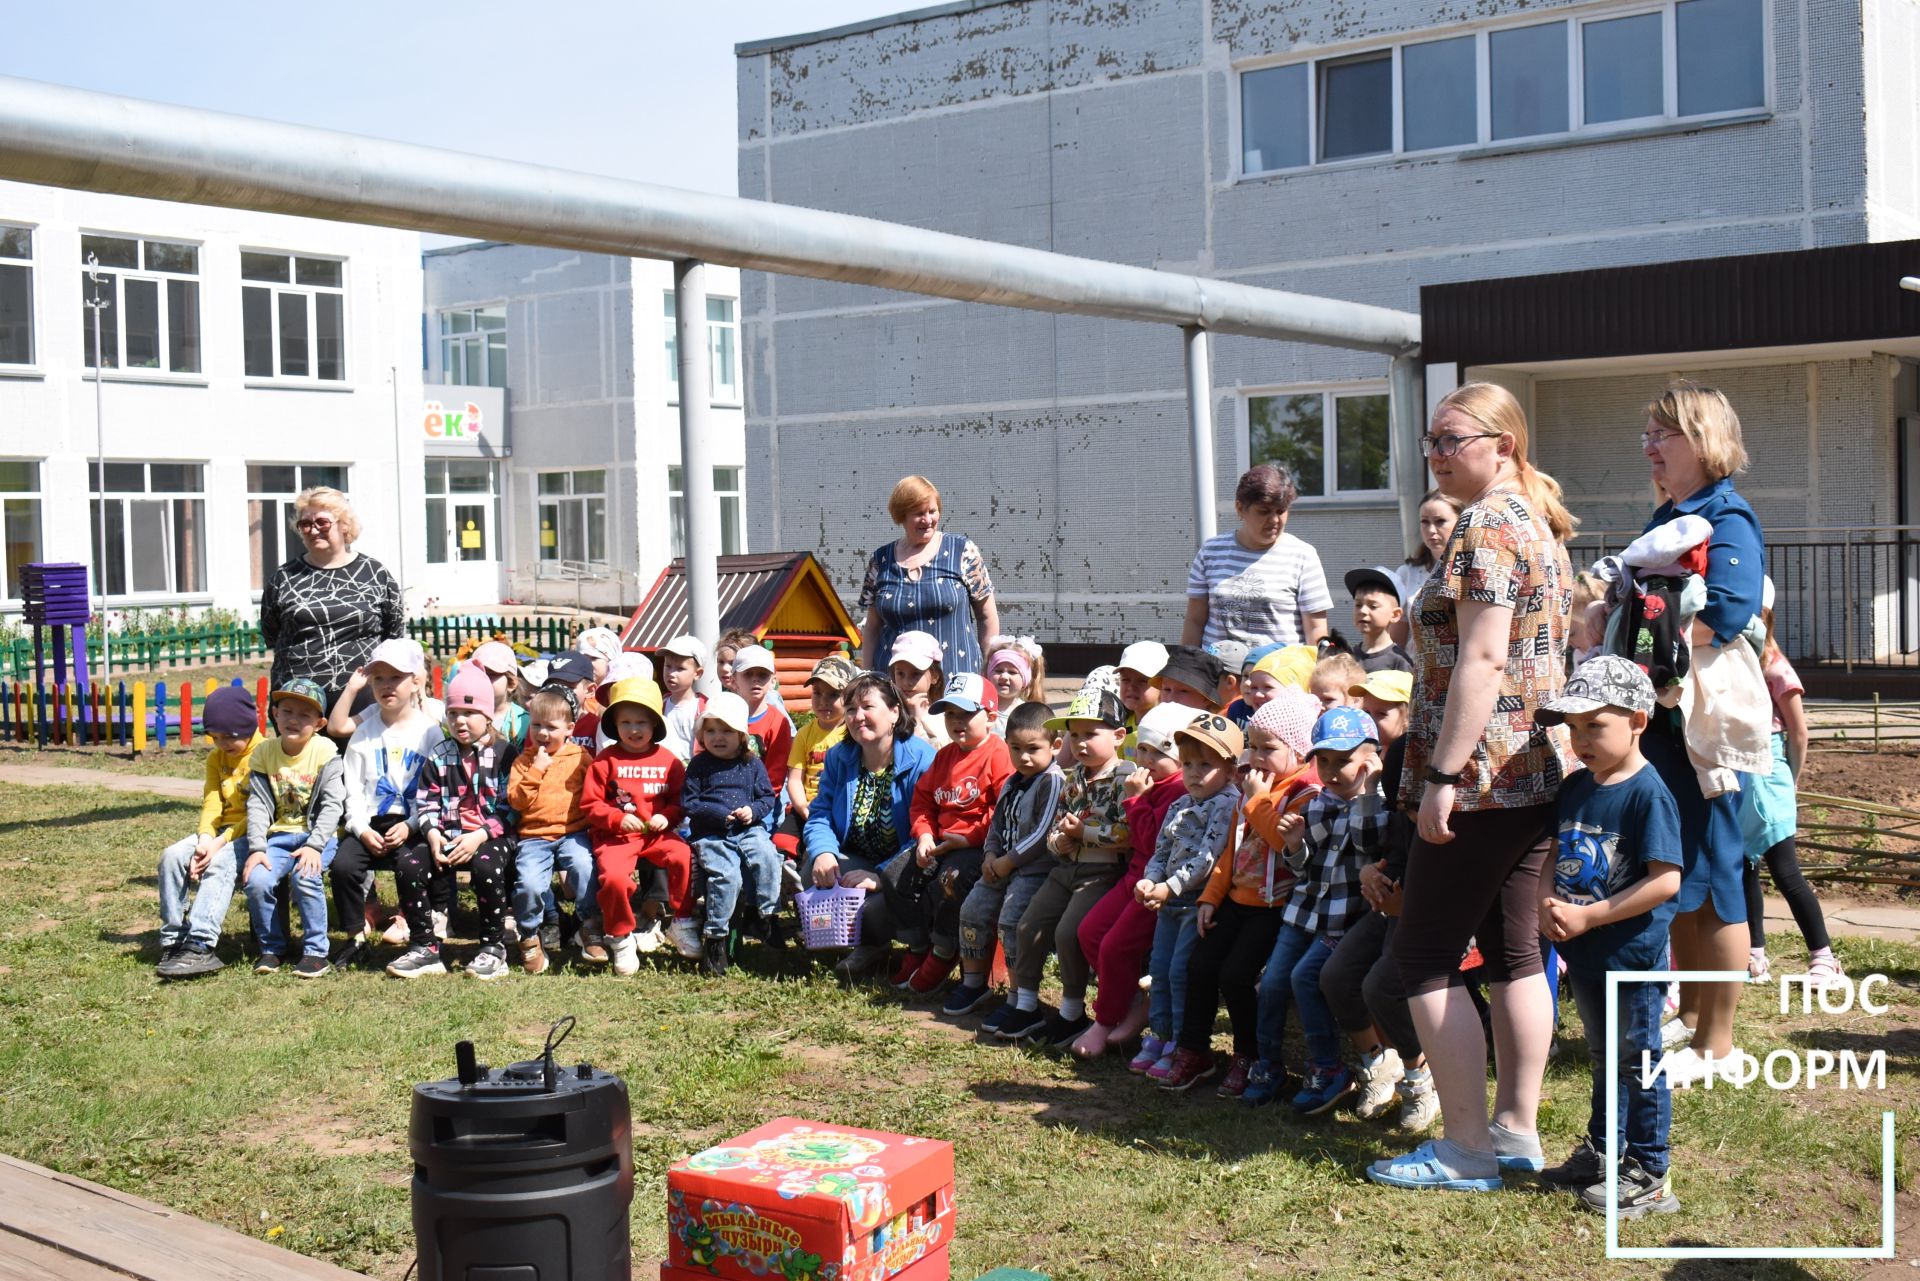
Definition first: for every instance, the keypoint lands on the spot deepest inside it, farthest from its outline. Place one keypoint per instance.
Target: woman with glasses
(1489, 635)
(324, 610)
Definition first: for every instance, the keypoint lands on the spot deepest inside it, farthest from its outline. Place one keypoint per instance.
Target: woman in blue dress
(927, 581)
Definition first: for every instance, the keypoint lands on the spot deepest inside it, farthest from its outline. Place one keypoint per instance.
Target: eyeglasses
(318, 526)
(1657, 437)
(1449, 445)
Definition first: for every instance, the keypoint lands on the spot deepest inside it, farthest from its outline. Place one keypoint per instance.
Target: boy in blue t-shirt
(1615, 875)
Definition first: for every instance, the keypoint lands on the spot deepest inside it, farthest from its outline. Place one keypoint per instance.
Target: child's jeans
(201, 923)
(533, 863)
(1175, 930)
(743, 862)
(1646, 1112)
(309, 891)
(1292, 978)
(996, 908)
(422, 881)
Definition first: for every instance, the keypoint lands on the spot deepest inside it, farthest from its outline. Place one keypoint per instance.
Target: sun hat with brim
(401, 654)
(1193, 667)
(1387, 686)
(1606, 680)
(1215, 733)
(729, 709)
(496, 656)
(1157, 727)
(1145, 657)
(635, 691)
(1341, 729)
(302, 690)
(1378, 578)
(967, 692)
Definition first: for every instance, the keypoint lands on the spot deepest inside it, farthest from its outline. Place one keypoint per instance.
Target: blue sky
(643, 89)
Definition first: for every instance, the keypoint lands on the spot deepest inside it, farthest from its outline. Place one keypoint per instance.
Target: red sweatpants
(1116, 936)
(614, 863)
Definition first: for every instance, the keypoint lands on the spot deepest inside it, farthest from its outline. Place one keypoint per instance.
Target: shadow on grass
(1902, 1045)
(1731, 1269)
(113, 815)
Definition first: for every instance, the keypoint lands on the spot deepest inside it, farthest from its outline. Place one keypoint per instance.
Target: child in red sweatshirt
(952, 809)
(632, 800)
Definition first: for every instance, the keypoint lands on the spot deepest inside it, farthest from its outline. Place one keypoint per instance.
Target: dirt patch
(327, 1134)
(1885, 778)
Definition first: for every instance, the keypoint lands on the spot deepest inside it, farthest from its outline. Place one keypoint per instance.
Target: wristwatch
(1441, 776)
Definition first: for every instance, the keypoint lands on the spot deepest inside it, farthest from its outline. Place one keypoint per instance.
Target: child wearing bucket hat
(633, 802)
(296, 792)
(727, 799)
(1192, 677)
(209, 858)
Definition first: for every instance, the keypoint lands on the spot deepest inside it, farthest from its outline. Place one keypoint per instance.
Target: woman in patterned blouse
(927, 581)
(324, 610)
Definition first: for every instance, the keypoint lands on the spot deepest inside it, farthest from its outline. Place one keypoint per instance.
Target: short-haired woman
(1258, 584)
(323, 611)
(927, 581)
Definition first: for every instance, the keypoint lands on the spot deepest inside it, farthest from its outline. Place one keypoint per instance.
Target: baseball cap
(230, 710)
(1289, 716)
(835, 671)
(1215, 733)
(1388, 687)
(1378, 577)
(496, 656)
(1098, 699)
(470, 690)
(1291, 665)
(1231, 653)
(305, 691)
(600, 642)
(641, 692)
(919, 649)
(1606, 680)
(687, 645)
(625, 665)
(753, 658)
(729, 709)
(1257, 653)
(968, 692)
(569, 668)
(401, 654)
(1162, 721)
(535, 673)
(1341, 729)
(1145, 657)
(1191, 665)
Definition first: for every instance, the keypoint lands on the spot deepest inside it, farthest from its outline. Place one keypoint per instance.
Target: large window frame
(570, 516)
(167, 344)
(22, 521)
(1575, 22)
(730, 488)
(723, 349)
(1327, 487)
(156, 522)
(296, 302)
(449, 484)
(474, 335)
(271, 489)
(18, 330)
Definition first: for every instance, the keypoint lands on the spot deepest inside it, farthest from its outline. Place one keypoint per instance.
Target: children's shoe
(1825, 971)
(1674, 1034)
(1379, 1073)
(168, 955)
(190, 962)
(550, 940)
(1022, 1025)
(593, 948)
(351, 953)
(1641, 1193)
(713, 956)
(397, 932)
(992, 1024)
(1062, 1033)
(684, 934)
(417, 961)
(1326, 1089)
(1427, 1168)
(626, 956)
(490, 963)
(905, 968)
(1234, 1083)
(533, 957)
(1188, 1068)
(1265, 1081)
(962, 999)
(932, 975)
(1162, 1068)
(1582, 1169)
(650, 937)
(1151, 1048)
(1758, 971)
(312, 967)
(1516, 1151)
(267, 963)
(1419, 1103)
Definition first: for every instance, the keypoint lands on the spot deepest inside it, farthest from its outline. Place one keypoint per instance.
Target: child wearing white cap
(682, 663)
(767, 720)
(727, 800)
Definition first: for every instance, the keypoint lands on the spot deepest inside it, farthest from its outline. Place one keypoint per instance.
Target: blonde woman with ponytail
(1488, 645)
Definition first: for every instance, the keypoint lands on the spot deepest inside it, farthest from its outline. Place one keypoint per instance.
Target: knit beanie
(230, 710)
(471, 689)
(1289, 716)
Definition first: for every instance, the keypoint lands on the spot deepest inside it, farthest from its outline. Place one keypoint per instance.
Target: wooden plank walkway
(55, 1227)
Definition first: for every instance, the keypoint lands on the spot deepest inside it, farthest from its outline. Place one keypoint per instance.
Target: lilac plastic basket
(830, 918)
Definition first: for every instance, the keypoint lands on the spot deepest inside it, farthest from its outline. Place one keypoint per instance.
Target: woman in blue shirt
(1692, 443)
(927, 581)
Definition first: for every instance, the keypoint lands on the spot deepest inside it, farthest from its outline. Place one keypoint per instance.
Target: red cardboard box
(798, 1200)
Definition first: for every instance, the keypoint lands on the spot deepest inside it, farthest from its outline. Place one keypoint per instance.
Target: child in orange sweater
(544, 788)
(632, 800)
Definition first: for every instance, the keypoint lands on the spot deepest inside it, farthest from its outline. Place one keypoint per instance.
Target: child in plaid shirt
(1341, 831)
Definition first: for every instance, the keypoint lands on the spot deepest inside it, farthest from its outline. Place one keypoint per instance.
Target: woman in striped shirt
(1258, 584)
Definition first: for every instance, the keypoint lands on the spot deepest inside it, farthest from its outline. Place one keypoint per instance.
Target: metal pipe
(1200, 431)
(1406, 415)
(97, 304)
(62, 137)
(696, 458)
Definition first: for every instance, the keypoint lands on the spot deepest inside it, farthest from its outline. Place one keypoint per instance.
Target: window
(270, 511)
(294, 323)
(19, 520)
(16, 296)
(150, 318)
(473, 346)
(723, 335)
(156, 529)
(463, 510)
(573, 515)
(733, 518)
(1522, 79)
(1334, 442)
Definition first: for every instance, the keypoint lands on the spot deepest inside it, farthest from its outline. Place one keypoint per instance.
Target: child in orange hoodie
(1240, 911)
(632, 800)
(544, 788)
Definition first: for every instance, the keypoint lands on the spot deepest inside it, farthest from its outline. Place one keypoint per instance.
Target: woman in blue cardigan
(859, 820)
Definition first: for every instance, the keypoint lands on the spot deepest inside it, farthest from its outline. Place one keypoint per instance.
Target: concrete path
(102, 780)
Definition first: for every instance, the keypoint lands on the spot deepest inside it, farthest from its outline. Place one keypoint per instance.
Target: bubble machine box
(801, 1201)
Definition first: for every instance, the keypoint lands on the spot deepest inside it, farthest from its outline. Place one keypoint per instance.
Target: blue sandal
(1422, 1168)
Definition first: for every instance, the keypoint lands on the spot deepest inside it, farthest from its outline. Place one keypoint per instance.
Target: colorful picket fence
(132, 715)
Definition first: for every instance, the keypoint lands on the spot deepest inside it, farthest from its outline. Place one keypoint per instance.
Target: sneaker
(1265, 1081)
(1162, 1067)
(312, 967)
(1824, 971)
(550, 938)
(491, 963)
(713, 956)
(1758, 971)
(1061, 1032)
(962, 999)
(1582, 1169)
(1379, 1073)
(1022, 1025)
(932, 975)
(1685, 1069)
(397, 932)
(417, 961)
(352, 953)
(626, 956)
(168, 955)
(1151, 1048)
(533, 957)
(905, 968)
(1640, 1193)
(268, 963)
(650, 938)
(1234, 1083)
(992, 1024)
(1326, 1088)
(1674, 1034)
(1189, 1067)
(190, 961)
(1419, 1103)
(684, 934)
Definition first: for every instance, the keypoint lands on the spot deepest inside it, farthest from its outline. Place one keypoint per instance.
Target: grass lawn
(279, 1108)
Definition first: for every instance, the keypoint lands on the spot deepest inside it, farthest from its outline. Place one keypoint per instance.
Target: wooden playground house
(784, 598)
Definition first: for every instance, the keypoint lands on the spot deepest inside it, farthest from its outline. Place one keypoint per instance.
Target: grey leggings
(1051, 923)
